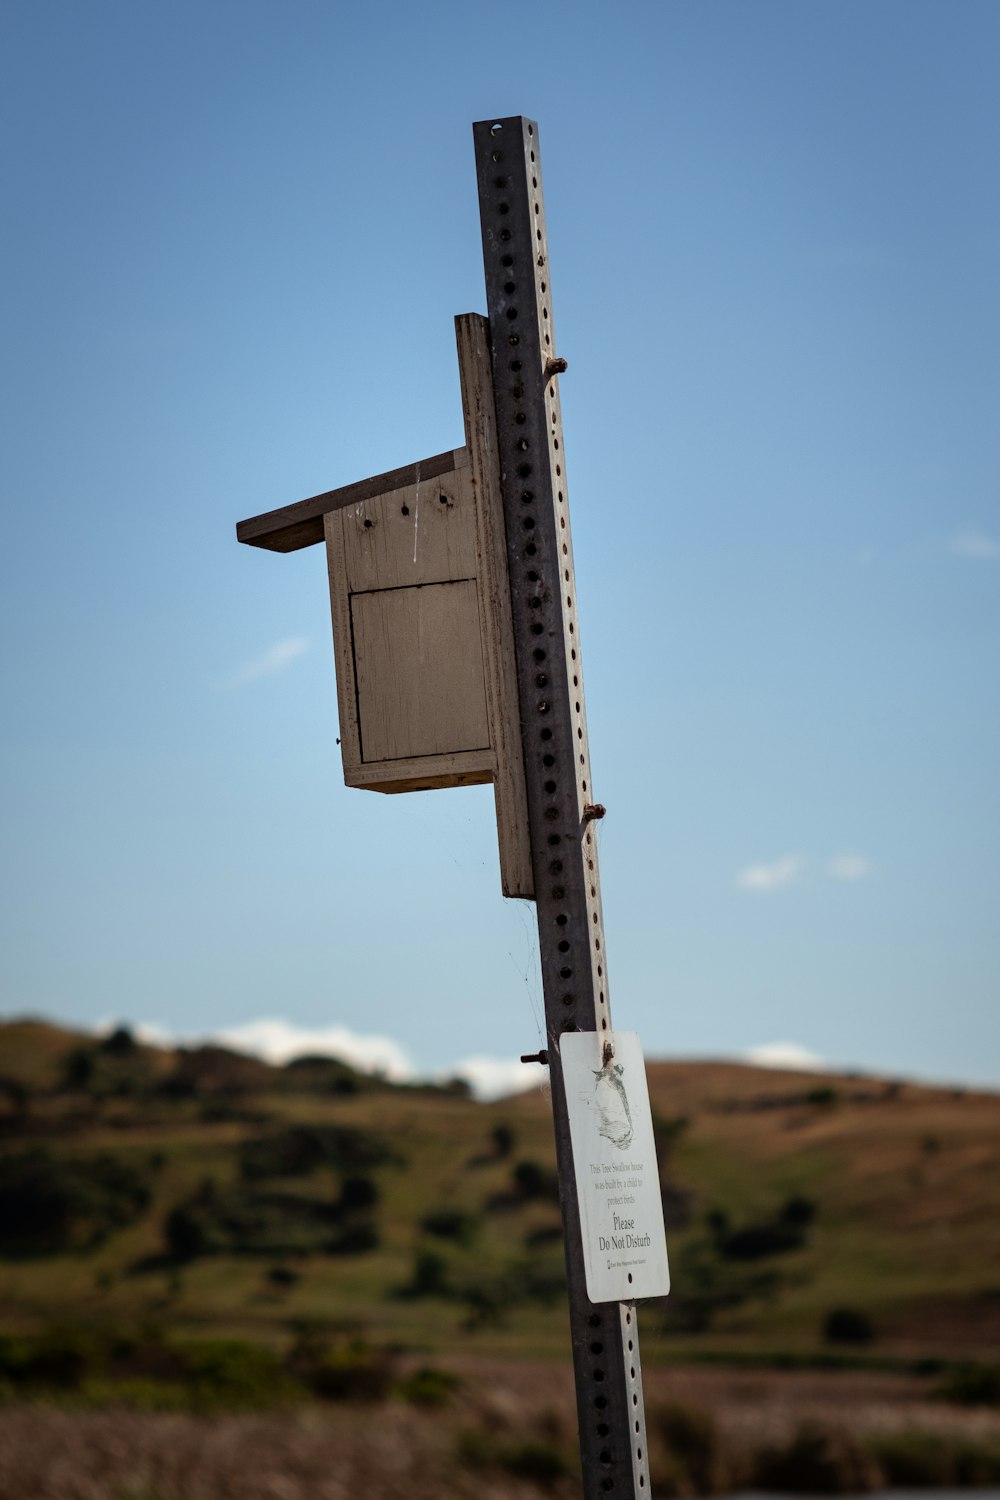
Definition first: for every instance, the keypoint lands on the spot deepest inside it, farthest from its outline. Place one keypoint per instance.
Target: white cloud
(783, 871)
(278, 1041)
(848, 867)
(495, 1077)
(275, 659)
(973, 543)
(784, 1055)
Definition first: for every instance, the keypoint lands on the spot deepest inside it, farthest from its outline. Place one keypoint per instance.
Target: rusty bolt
(539, 1057)
(593, 811)
(555, 366)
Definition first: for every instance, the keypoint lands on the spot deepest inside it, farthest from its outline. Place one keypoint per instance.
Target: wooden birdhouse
(422, 631)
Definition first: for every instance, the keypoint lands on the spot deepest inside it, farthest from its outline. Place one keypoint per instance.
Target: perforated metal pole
(556, 758)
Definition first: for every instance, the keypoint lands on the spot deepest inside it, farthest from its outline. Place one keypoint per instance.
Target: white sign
(614, 1158)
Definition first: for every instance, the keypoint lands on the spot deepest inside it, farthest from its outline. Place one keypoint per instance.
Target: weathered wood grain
(472, 334)
(301, 524)
(419, 660)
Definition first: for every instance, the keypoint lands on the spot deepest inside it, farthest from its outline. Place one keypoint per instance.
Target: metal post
(561, 807)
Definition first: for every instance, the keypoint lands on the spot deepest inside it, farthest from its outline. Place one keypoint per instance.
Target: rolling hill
(810, 1218)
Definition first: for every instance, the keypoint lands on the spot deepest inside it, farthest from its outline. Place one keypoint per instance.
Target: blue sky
(235, 239)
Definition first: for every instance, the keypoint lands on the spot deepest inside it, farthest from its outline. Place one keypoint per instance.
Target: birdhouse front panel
(408, 637)
(418, 661)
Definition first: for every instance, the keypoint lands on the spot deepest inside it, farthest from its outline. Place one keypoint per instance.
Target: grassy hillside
(809, 1218)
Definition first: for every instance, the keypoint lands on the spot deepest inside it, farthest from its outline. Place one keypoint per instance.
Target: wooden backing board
(472, 333)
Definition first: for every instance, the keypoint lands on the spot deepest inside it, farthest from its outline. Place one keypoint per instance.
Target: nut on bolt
(594, 810)
(555, 366)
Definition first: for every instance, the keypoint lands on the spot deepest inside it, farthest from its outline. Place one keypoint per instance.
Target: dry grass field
(507, 1433)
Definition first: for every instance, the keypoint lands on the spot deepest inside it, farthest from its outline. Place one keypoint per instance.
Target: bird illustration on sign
(613, 1112)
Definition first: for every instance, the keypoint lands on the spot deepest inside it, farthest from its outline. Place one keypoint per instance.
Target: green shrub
(534, 1182)
(677, 1203)
(340, 1370)
(54, 1203)
(972, 1385)
(785, 1232)
(758, 1241)
(915, 1459)
(545, 1234)
(226, 1374)
(249, 1220)
(430, 1276)
(119, 1043)
(693, 1458)
(354, 1239)
(283, 1276)
(535, 1459)
(327, 1075)
(824, 1095)
(185, 1233)
(540, 1279)
(451, 1224)
(358, 1193)
(301, 1149)
(818, 1461)
(78, 1068)
(106, 1364)
(848, 1325)
(428, 1386)
(200, 1071)
(667, 1132)
(59, 1359)
(799, 1210)
(488, 1303)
